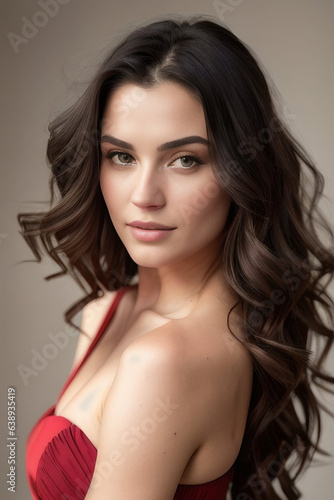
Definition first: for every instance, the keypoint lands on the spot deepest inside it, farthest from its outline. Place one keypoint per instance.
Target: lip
(149, 225)
(149, 231)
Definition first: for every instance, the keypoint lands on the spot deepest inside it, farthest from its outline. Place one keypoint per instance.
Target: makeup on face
(156, 176)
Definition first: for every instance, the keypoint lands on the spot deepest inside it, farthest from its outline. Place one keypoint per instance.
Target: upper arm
(145, 437)
(164, 404)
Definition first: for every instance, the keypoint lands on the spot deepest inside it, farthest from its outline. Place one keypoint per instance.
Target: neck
(174, 290)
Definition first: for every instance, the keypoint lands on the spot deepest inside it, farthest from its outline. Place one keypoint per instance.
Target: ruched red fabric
(61, 458)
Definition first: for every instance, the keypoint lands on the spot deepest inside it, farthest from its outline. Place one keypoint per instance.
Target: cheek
(208, 205)
(112, 196)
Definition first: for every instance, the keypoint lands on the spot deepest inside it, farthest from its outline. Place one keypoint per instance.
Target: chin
(152, 257)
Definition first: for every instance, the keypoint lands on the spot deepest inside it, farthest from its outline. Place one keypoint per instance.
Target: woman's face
(156, 175)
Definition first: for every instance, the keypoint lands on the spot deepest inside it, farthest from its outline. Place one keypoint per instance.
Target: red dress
(61, 459)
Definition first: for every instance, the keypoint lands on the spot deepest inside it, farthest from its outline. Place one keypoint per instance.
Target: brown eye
(187, 161)
(124, 158)
(120, 158)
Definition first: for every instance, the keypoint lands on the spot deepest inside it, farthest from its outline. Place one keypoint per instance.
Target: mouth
(149, 231)
(150, 226)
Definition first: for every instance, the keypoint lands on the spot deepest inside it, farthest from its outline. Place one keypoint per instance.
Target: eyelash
(110, 155)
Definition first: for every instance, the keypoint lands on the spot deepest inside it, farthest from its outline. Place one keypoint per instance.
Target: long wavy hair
(272, 255)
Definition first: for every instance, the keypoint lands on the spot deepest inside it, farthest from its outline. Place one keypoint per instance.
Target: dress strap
(108, 317)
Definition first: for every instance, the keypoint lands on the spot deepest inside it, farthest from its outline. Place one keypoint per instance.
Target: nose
(148, 192)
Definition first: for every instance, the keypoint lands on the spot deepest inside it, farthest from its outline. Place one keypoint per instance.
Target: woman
(184, 216)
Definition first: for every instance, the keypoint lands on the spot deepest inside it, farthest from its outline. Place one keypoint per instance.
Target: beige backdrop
(45, 45)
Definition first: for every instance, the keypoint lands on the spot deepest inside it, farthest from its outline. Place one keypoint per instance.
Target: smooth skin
(164, 397)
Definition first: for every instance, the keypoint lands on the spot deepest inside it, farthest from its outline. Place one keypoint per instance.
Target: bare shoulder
(92, 317)
(195, 351)
(146, 414)
(203, 336)
(183, 369)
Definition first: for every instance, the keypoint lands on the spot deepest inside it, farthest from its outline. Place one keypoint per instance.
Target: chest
(83, 400)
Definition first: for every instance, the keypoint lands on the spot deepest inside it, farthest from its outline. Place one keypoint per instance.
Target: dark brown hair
(272, 256)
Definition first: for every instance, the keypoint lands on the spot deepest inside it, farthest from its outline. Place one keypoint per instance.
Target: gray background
(292, 38)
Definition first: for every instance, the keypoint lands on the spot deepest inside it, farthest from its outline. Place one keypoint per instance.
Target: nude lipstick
(149, 231)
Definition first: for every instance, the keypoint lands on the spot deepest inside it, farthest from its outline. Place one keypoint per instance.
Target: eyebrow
(192, 139)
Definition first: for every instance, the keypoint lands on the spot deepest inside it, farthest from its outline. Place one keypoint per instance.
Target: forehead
(166, 108)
